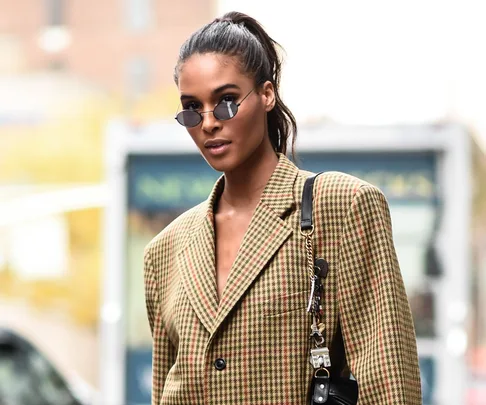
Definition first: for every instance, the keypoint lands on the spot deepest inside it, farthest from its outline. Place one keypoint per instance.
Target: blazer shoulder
(337, 190)
(333, 180)
(177, 232)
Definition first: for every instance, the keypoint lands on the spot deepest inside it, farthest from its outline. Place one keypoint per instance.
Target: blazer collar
(277, 194)
(266, 233)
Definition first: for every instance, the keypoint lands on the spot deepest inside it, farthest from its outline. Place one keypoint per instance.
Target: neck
(244, 186)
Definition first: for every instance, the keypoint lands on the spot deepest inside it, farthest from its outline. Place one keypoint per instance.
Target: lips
(217, 147)
(216, 143)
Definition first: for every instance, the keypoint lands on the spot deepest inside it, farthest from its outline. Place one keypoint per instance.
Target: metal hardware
(320, 357)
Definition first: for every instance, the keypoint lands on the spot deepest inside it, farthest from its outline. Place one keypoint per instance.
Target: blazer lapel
(197, 262)
(266, 233)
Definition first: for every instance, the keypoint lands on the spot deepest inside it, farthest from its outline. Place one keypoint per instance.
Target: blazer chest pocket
(282, 304)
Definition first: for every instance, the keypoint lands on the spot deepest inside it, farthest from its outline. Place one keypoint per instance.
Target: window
(55, 13)
(138, 14)
(27, 377)
(138, 76)
(54, 37)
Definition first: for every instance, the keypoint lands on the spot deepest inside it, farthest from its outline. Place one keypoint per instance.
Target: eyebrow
(217, 90)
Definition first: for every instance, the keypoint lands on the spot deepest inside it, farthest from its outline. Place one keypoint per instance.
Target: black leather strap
(307, 193)
(320, 392)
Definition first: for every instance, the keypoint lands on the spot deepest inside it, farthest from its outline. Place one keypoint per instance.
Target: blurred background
(92, 167)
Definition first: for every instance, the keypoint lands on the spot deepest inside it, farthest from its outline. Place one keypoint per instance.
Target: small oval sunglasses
(223, 111)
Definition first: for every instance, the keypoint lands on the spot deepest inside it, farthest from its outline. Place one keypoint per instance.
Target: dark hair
(236, 34)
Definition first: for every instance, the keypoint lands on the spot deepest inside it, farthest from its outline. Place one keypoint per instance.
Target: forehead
(204, 72)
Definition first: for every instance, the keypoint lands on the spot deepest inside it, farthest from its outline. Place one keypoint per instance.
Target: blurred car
(27, 377)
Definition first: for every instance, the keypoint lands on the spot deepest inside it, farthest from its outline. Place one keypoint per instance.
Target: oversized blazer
(252, 345)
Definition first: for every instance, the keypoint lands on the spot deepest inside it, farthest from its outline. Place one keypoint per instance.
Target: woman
(226, 282)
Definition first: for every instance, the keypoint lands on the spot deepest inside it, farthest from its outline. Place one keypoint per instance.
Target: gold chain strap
(310, 253)
(308, 248)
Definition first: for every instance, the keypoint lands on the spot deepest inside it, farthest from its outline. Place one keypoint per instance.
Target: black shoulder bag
(327, 386)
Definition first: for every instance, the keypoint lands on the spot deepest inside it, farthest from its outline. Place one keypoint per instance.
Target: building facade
(127, 46)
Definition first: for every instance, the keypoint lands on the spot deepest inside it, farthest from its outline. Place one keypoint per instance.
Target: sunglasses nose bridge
(201, 116)
(209, 119)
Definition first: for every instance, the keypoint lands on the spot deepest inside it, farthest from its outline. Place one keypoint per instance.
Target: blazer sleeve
(376, 321)
(163, 352)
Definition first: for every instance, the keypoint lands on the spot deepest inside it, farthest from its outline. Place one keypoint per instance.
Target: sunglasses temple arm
(244, 98)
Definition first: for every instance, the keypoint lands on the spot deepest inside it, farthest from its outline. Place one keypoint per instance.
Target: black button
(220, 364)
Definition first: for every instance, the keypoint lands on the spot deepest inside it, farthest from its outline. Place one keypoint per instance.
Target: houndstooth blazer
(252, 346)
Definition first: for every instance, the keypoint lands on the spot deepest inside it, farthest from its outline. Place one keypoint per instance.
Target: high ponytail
(237, 34)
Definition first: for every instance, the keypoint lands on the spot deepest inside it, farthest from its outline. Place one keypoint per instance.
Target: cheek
(193, 134)
(253, 124)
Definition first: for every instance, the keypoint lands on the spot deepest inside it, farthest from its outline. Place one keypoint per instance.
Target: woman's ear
(268, 95)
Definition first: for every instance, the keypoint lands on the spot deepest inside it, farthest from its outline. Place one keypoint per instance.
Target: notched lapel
(264, 237)
(198, 262)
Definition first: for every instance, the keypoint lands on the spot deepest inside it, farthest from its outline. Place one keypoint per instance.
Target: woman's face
(205, 80)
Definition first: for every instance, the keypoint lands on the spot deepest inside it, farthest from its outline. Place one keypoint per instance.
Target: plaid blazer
(252, 346)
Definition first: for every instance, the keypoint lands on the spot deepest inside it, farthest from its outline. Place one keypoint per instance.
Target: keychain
(319, 356)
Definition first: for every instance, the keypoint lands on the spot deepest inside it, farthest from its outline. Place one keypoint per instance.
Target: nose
(209, 123)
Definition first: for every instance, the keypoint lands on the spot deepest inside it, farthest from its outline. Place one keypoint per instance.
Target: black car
(27, 377)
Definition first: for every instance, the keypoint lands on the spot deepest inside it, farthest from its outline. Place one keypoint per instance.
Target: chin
(222, 164)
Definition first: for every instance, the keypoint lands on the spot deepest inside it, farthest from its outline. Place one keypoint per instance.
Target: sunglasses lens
(225, 110)
(188, 118)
